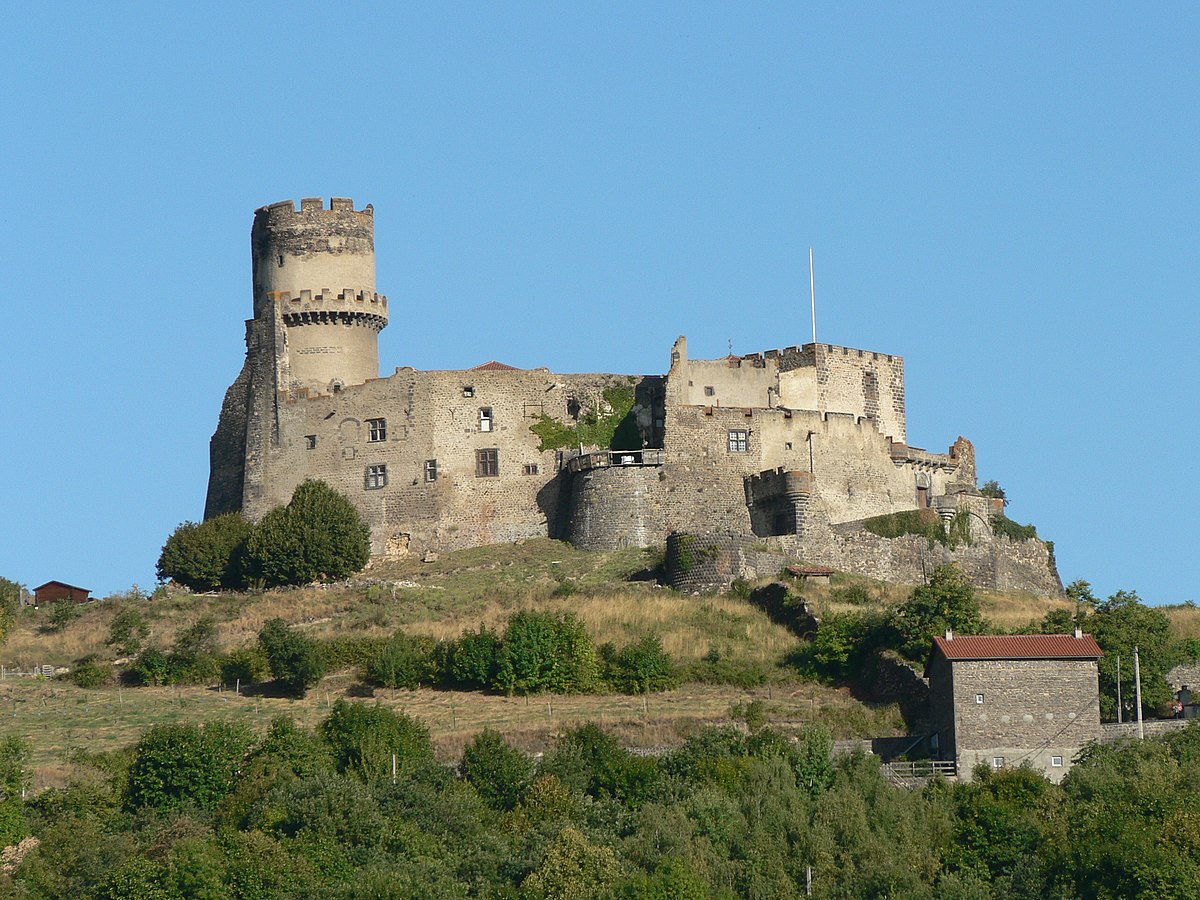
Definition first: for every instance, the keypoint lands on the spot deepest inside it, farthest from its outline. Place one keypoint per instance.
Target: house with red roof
(1005, 700)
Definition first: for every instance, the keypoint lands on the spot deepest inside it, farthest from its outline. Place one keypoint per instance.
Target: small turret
(314, 274)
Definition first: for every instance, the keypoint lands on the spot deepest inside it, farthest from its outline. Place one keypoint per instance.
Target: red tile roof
(494, 366)
(1019, 646)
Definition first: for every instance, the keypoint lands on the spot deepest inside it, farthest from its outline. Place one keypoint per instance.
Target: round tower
(314, 273)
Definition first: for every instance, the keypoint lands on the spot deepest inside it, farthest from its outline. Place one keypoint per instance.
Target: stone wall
(615, 506)
(708, 563)
(1031, 711)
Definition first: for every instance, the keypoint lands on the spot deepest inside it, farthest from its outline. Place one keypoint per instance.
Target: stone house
(1005, 700)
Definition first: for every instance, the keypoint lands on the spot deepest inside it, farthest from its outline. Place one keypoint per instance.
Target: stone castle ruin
(776, 456)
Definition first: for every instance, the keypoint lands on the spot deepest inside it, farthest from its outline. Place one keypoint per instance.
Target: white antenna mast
(812, 286)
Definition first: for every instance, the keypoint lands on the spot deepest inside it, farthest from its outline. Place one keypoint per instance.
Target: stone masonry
(796, 446)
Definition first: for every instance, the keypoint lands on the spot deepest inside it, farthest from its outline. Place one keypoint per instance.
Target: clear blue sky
(1008, 197)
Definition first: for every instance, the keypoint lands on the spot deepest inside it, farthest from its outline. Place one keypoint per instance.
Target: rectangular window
(310, 442)
(485, 419)
(1056, 762)
(376, 477)
(530, 469)
(376, 429)
(468, 391)
(487, 463)
(979, 699)
(997, 762)
(431, 471)
(739, 440)
(709, 391)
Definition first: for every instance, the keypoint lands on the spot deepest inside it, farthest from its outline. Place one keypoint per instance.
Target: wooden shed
(53, 591)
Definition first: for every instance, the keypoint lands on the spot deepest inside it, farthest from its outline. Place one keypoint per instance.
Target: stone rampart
(616, 506)
(708, 563)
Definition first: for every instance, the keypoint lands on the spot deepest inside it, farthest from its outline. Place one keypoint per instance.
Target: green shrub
(345, 651)
(472, 658)
(295, 661)
(716, 668)
(616, 429)
(205, 556)
(1003, 525)
(947, 602)
(543, 652)
(127, 631)
(194, 658)
(922, 522)
(151, 667)
(405, 662)
(992, 489)
(62, 614)
(245, 666)
(10, 605)
(499, 772)
(639, 668)
(90, 672)
(175, 765)
(363, 738)
(318, 536)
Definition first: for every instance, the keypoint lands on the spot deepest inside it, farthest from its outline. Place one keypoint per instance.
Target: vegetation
(1003, 525)
(10, 605)
(612, 427)
(992, 489)
(922, 522)
(356, 807)
(205, 556)
(293, 659)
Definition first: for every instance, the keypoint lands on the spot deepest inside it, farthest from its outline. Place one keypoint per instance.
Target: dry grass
(1185, 620)
(57, 718)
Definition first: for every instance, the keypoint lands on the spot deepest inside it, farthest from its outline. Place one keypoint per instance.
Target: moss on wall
(614, 429)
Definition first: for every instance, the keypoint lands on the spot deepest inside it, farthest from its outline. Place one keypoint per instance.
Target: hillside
(612, 593)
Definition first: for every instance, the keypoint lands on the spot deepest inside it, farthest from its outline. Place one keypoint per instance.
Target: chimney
(949, 634)
(1078, 633)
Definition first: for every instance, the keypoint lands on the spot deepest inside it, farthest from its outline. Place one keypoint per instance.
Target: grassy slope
(441, 599)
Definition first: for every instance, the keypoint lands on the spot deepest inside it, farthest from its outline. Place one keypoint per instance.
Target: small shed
(1004, 700)
(53, 591)
(811, 574)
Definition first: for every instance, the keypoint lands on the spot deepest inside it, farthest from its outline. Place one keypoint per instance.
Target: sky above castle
(1008, 197)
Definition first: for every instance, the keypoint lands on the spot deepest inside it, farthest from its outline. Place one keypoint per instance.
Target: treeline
(361, 808)
(534, 652)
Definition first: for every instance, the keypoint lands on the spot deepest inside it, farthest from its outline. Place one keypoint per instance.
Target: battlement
(295, 301)
(286, 210)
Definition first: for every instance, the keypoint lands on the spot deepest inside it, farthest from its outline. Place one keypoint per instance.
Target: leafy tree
(573, 867)
(10, 605)
(318, 536)
(62, 614)
(152, 666)
(363, 739)
(499, 772)
(127, 631)
(1119, 624)
(293, 657)
(175, 765)
(992, 489)
(542, 652)
(205, 556)
(405, 662)
(90, 672)
(639, 668)
(947, 602)
(472, 658)
(194, 656)
(592, 761)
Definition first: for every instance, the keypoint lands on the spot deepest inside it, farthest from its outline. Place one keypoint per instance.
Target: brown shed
(53, 591)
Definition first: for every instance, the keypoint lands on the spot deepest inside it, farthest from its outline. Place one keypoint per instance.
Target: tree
(175, 765)
(992, 489)
(1119, 624)
(294, 659)
(405, 661)
(318, 536)
(573, 868)
(127, 631)
(10, 605)
(363, 739)
(639, 668)
(499, 772)
(947, 602)
(542, 652)
(205, 556)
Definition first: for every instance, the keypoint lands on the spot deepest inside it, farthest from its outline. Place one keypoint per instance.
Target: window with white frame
(376, 430)
(310, 442)
(739, 440)
(431, 470)
(485, 418)
(376, 477)
(530, 469)
(1056, 762)
(997, 762)
(979, 699)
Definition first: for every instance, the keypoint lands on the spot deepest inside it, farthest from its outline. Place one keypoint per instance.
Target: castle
(769, 457)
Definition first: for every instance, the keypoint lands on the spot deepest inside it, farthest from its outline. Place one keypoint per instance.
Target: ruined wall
(1032, 711)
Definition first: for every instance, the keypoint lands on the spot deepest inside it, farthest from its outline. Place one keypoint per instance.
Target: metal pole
(812, 286)
(1137, 682)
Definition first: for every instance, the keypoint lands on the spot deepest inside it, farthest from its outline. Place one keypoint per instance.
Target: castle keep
(772, 456)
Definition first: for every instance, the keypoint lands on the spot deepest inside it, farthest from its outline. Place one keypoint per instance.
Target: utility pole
(1137, 683)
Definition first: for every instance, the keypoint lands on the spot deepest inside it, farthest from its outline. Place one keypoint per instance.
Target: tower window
(376, 429)
(739, 440)
(431, 470)
(310, 442)
(376, 477)
(487, 463)
(485, 419)
(468, 391)
(709, 391)
(530, 469)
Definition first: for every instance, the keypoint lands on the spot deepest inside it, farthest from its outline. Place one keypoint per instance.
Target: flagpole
(812, 287)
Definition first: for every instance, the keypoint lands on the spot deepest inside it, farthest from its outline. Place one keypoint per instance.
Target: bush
(151, 667)
(405, 662)
(295, 661)
(62, 614)
(246, 665)
(363, 738)
(10, 605)
(1003, 525)
(346, 651)
(127, 631)
(318, 536)
(639, 668)
(541, 652)
(205, 556)
(947, 602)
(716, 668)
(499, 772)
(175, 765)
(472, 658)
(90, 672)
